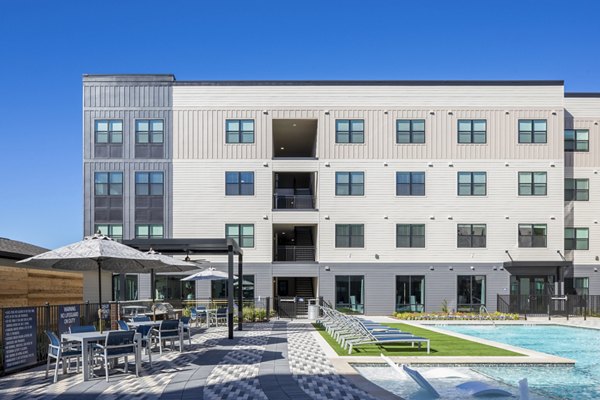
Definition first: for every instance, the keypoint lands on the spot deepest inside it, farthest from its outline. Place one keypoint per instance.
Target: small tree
(445, 306)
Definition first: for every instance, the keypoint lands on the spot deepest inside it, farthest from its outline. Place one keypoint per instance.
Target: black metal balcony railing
(298, 202)
(295, 253)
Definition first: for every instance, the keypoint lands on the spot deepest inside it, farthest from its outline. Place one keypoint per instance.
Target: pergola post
(230, 290)
(240, 293)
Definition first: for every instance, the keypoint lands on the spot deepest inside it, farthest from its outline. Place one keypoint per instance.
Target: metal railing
(550, 305)
(295, 253)
(298, 202)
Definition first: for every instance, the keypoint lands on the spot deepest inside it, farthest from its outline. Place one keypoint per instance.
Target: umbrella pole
(99, 297)
(153, 290)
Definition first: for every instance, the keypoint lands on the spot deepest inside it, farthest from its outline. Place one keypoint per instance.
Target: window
(532, 235)
(577, 239)
(579, 286)
(349, 183)
(242, 233)
(410, 293)
(472, 183)
(149, 131)
(149, 231)
(532, 130)
(149, 184)
(349, 236)
(219, 288)
(171, 287)
(412, 235)
(239, 131)
(532, 183)
(471, 131)
(349, 131)
(131, 287)
(577, 140)
(577, 189)
(410, 131)
(349, 293)
(108, 131)
(108, 183)
(239, 183)
(471, 235)
(410, 183)
(470, 292)
(113, 231)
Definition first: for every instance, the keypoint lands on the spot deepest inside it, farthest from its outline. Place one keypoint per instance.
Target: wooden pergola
(194, 246)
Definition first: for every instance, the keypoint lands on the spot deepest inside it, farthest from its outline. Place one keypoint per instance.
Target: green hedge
(495, 316)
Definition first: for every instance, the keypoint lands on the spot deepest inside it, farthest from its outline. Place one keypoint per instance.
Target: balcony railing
(295, 253)
(298, 202)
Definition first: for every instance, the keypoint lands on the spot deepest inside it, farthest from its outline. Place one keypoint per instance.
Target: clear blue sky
(45, 47)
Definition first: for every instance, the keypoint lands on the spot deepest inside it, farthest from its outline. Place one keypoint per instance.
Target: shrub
(458, 316)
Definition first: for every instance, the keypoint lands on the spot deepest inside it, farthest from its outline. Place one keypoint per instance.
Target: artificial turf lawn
(441, 345)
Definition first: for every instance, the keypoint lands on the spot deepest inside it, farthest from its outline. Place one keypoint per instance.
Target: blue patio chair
(186, 329)
(168, 331)
(61, 352)
(82, 329)
(141, 318)
(146, 339)
(117, 344)
(201, 311)
(123, 325)
(220, 315)
(194, 316)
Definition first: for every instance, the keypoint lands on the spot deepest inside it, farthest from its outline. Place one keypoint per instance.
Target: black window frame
(524, 239)
(532, 186)
(471, 132)
(412, 185)
(109, 231)
(573, 193)
(354, 240)
(350, 185)
(571, 145)
(150, 184)
(150, 132)
(240, 132)
(349, 282)
(110, 132)
(571, 243)
(239, 186)
(150, 234)
(409, 281)
(415, 238)
(471, 184)
(475, 241)
(112, 188)
(351, 132)
(411, 134)
(240, 238)
(534, 133)
(470, 305)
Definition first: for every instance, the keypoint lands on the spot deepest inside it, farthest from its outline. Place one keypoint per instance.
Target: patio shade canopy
(548, 264)
(209, 274)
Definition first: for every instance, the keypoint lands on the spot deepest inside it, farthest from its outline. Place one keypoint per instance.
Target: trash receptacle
(313, 309)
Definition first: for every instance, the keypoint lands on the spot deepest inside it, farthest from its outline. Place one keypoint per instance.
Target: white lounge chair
(474, 388)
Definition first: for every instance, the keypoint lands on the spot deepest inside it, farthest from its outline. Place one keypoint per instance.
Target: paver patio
(276, 360)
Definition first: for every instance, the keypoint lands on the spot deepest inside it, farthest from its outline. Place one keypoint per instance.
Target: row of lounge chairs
(351, 332)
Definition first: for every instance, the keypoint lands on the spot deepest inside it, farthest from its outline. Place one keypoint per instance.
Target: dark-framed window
(577, 239)
(349, 130)
(350, 293)
(131, 287)
(410, 293)
(239, 183)
(108, 183)
(219, 288)
(349, 235)
(578, 285)
(577, 189)
(410, 183)
(410, 235)
(472, 131)
(577, 140)
(532, 183)
(149, 231)
(533, 235)
(242, 233)
(149, 183)
(349, 183)
(171, 287)
(472, 183)
(239, 131)
(471, 235)
(149, 131)
(470, 292)
(533, 131)
(410, 131)
(113, 231)
(108, 131)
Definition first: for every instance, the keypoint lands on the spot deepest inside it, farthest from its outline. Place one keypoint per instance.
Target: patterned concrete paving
(276, 360)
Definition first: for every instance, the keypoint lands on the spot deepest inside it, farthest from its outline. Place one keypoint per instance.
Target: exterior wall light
(431, 268)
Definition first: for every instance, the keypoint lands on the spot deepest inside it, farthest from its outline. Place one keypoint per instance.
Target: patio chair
(122, 325)
(82, 329)
(118, 344)
(146, 340)
(185, 328)
(219, 315)
(61, 352)
(201, 313)
(168, 331)
(140, 318)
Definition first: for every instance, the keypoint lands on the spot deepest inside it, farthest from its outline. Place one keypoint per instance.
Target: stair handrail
(483, 310)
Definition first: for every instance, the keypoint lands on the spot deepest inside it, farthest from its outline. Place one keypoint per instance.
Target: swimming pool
(581, 382)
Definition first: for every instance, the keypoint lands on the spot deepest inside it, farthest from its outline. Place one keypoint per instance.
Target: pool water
(581, 382)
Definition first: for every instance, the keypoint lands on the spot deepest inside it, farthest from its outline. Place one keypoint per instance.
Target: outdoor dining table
(135, 324)
(87, 339)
